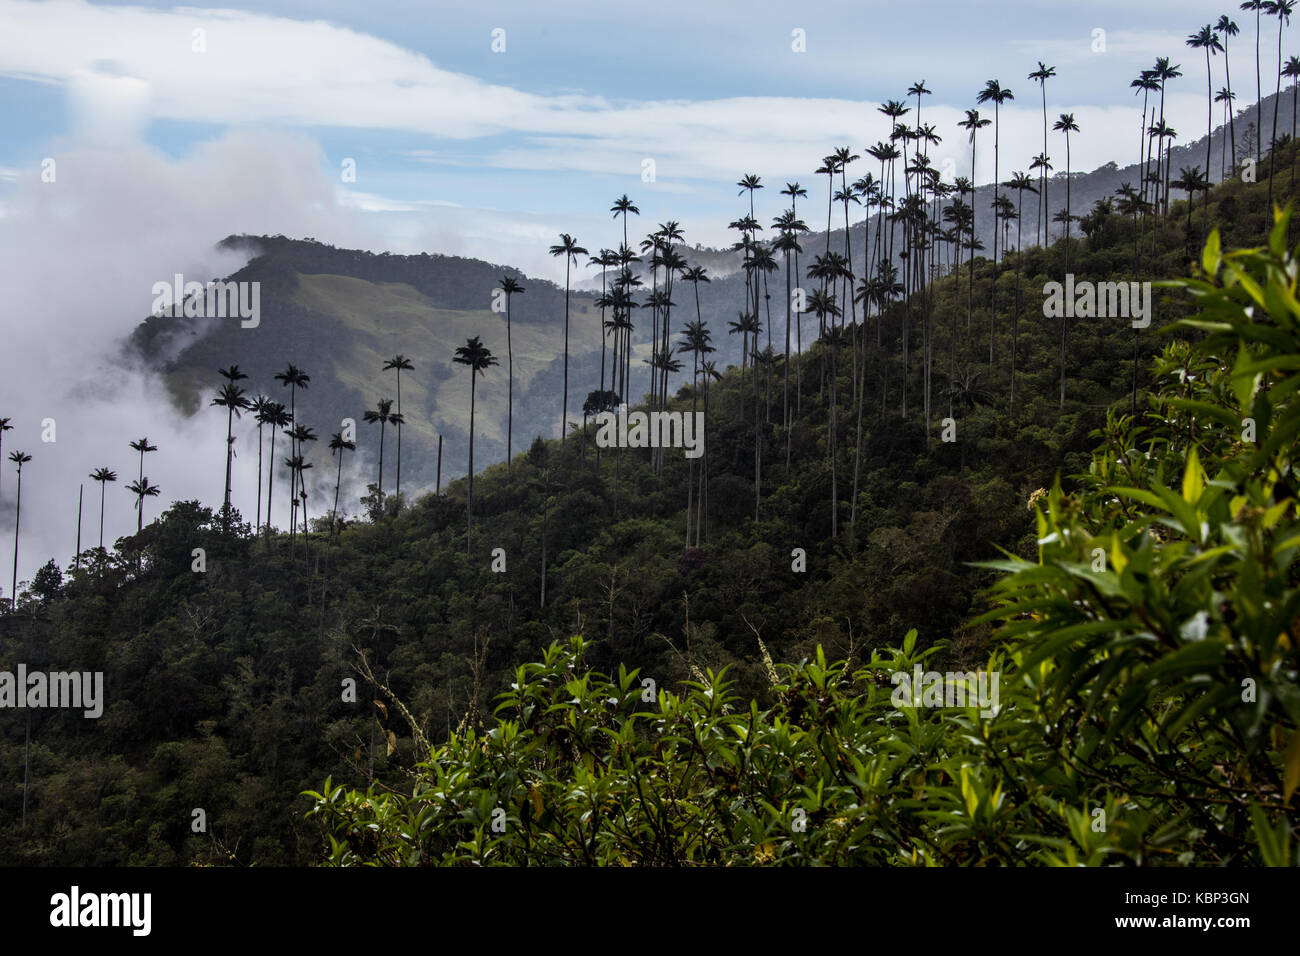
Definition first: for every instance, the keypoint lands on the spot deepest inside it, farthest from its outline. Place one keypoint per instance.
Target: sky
(482, 130)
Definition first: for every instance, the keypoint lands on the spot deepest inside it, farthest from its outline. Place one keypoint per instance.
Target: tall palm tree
(277, 417)
(4, 427)
(1041, 76)
(1258, 6)
(1164, 72)
(568, 248)
(103, 476)
(1292, 72)
(1191, 182)
(1228, 28)
(292, 378)
(230, 397)
(19, 459)
(1208, 40)
(995, 93)
(381, 414)
(1225, 96)
(510, 287)
(973, 123)
(300, 435)
(400, 364)
(142, 489)
(622, 206)
(1020, 182)
(1067, 125)
(1147, 84)
(479, 358)
(300, 465)
(143, 447)
(1282, 9)
(259, 406)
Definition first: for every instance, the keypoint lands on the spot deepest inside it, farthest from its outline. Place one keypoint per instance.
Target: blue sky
(496, 151)
(159, 151)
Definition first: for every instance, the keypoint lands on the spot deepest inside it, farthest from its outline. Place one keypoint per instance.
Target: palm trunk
(564, 405)
(398, 490)
(469, 501)
(510, 377)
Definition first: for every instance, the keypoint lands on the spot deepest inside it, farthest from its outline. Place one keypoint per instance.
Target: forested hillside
(844, 499)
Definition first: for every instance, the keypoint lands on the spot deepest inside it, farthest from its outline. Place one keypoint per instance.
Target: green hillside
(226, 688)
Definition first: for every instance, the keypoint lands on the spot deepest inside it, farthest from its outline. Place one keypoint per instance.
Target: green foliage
(1148, 663)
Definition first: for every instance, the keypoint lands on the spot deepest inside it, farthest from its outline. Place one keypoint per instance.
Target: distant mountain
(339, 314)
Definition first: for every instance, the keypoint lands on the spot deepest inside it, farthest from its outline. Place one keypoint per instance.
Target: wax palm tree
(1164, 72)
(277, 417)
(1041, 76)
(293, 378)
(4, 427)
(1160, 132)
(1227, 28)
(973, 123)
(401, 364)
(1258, 6)
(142, 489)
(1020, 182)
(1208, 40)
(568, 248)
(1147, 83)
(510, 287)
(143, 447)
(230, 397)
(995, 93)
(259, 406)
(103, 476)
(382, 415)
(1292, 71)
(19, 459)
(622, 207)
(1282, 9)
(301, 434)
(1066, 124)
(1225, 96)
(337, 444)
(300, 466)
(479, 358)
(1191, 181)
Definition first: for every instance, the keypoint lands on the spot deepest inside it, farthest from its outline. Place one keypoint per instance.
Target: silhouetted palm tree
(143, 447)
(1067, 125)
(293, 378)
(277, 417)
(1208, 40)
(231, 398)
(1282, 9)
(19, 459)
(622, 207)
(400, 364)
(1041, 76)
(1258, 6)
(510, 287)
(479, 358)
(381, 414)
(568, 248)
(1228, 28)
(4, 427)
(103, 476)
(142, 489)
(337, 444)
